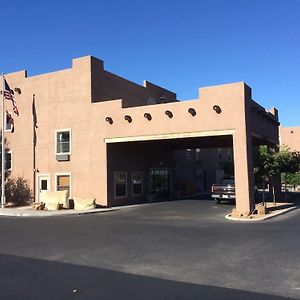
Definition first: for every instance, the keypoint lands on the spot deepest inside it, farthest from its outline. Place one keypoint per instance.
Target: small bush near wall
(18, 192)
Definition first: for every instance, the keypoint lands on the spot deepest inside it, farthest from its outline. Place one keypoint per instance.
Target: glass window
(137, 183)
(220, 153)
(63, 141)
(44, 184)
(8, 161)
(189, 154)
(9, 122)
(63, 183)
(229, 154)
(120, 184)
(160, 182)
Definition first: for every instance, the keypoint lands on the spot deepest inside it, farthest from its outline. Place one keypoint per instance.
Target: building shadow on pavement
(28, 278)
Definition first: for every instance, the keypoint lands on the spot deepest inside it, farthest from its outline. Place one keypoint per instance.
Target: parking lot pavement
(168, 250)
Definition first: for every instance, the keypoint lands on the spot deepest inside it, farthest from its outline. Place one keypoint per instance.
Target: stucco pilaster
(243, 169)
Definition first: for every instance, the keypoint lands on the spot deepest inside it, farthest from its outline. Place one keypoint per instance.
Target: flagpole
(3, 149)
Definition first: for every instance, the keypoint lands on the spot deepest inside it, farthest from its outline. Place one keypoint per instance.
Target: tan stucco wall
(290, 137)
(106, 86)
(63, 101)
(77, 98)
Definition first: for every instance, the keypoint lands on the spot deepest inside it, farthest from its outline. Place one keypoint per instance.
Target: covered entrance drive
(140, 140)
(154, 170)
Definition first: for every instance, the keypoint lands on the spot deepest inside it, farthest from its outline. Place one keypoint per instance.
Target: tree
(288, 164)
(287, 161)
(268, 164)
(17, 190)
(291, 179)
(263, 167)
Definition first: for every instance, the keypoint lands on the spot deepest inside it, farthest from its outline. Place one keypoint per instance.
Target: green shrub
(18, 192)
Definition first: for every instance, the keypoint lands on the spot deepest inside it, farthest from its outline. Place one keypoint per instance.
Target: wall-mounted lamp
(109, 120)
(169, 114)
(192, 111)
(148, 116)
(18, 90)
(217, 109)
(128, 118)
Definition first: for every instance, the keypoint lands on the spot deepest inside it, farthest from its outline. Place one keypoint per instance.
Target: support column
(103, 183)
(243, 170)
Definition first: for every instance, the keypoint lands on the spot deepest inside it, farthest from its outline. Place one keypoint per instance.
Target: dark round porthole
(169, 114)
(109, 120)
(128, 118)
(148, 116)
(217, 109)
(192, 111)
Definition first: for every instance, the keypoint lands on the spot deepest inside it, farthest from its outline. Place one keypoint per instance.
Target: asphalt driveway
(168, 250)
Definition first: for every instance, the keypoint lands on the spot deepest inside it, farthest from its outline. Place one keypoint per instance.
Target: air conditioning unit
(62, 157)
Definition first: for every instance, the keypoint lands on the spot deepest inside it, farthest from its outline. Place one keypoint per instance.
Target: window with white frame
(8, 161)
(63, 141)
(63, 182)
(9, 124)
(137, 183)
(120, 182)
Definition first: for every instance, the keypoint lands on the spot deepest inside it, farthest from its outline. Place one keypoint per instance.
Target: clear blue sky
(181, 45)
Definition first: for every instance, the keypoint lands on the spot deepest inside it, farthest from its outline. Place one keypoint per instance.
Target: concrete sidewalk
(30, 212)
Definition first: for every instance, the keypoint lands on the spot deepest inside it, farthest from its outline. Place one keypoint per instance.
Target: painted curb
(263, 218)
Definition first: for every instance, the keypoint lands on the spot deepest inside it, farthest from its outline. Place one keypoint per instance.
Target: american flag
(9, 95)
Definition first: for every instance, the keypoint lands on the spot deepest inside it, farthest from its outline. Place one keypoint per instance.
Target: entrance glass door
(160, 182)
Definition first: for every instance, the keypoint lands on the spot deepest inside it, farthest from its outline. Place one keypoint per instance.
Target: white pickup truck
(224, 190)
